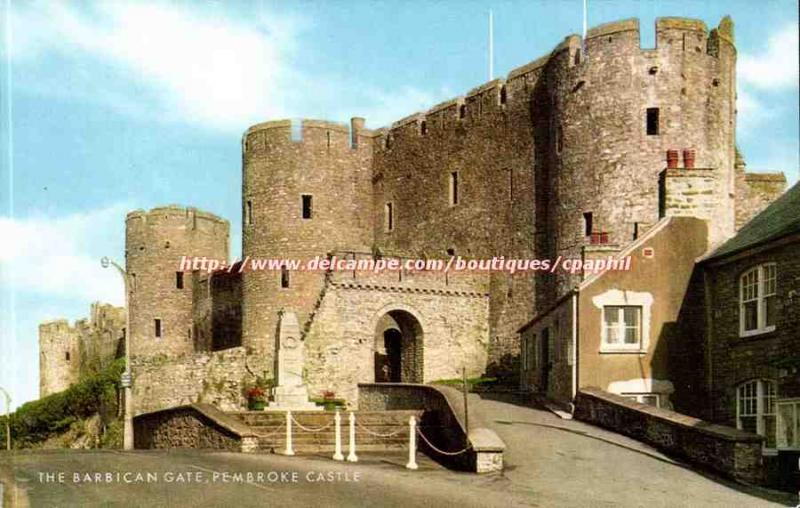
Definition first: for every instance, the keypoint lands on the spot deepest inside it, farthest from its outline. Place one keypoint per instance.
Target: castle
(561, 158)
(68, 352)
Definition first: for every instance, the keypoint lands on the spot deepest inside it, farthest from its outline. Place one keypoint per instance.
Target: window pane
(750, 310)
(769, 280)
(631, 316)
(769, 431)
(748, 424)
(769, 309)
(787, 423)
(631, 335)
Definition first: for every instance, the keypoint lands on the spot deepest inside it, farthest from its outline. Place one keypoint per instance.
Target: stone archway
(398, 348)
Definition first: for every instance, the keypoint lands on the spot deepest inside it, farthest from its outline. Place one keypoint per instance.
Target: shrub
(38, 420)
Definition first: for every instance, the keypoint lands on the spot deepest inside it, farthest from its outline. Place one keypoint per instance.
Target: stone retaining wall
(725, 450)
(443, 423)
(198, 426)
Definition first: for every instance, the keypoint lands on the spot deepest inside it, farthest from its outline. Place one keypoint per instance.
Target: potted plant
(256, 398)
(329, 400)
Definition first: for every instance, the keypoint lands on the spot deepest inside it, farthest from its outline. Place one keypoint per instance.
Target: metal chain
(438, 450)
(376, 434)
(277, 430)
(307, 429)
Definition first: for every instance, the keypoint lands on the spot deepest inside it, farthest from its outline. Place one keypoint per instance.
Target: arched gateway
(398, 348)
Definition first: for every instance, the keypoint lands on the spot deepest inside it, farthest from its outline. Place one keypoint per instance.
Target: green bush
(38, 420)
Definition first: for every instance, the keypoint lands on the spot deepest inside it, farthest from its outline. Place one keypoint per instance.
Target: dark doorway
(545, 356)
(398, 349)
(393, 342)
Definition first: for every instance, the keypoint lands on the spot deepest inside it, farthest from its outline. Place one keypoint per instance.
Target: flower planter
(256, 405)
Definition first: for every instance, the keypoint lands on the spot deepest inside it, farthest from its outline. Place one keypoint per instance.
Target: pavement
(549, 462)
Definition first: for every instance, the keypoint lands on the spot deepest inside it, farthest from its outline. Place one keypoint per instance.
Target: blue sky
(110, 106)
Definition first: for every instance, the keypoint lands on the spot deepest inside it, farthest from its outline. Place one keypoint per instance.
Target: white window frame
(761, 396)
(639, 397)
(780, 430)
(766, 278)
(622, 327)
(624, 298)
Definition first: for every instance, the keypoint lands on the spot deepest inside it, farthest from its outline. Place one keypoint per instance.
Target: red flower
(328, 394)
(255, 392)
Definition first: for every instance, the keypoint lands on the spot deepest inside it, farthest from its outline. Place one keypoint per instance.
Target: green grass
(471, 382)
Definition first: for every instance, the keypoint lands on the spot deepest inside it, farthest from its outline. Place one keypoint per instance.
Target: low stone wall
(198, 426)
(731, 452)
(216, 378)
(443, 423)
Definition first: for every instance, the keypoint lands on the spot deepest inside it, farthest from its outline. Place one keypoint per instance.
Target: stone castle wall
(562, 136)
(450, 319)
(281, 163)
(68, 352)
(155, 242)
(217, 378)
(533, 152)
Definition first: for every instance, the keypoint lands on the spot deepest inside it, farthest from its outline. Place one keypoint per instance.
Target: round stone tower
(161, 291)
(615, 109)
(306, 193)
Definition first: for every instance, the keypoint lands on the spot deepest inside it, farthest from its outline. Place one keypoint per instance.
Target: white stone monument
(290, 392)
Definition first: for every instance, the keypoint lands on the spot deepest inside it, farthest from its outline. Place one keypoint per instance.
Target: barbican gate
(562, 157)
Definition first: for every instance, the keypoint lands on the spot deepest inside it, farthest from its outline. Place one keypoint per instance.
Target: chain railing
(413, 432)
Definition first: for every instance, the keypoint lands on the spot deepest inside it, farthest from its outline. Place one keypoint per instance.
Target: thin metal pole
(466, 404)
(491, 45)
(8, 418)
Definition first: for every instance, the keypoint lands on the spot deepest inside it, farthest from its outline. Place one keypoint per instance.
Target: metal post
(337, 454)
(466, 403)
(127, 378)
(351, 457)
(8, 420)
(412, 443)
(289, 450)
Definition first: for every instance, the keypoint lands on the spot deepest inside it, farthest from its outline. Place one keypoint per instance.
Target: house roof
(780, 218)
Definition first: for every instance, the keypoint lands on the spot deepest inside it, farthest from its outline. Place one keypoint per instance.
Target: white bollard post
(412, 443)
(337, 454)
(351, 457)
(289, 450)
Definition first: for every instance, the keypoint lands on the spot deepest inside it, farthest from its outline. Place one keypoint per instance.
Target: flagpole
(491, 45)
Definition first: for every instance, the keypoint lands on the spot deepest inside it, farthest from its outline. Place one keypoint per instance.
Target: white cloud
(60, 256)
(207, 70)
(752, 113)
(198, 65)
(776, 66)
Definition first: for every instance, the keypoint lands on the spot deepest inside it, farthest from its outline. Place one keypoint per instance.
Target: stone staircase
(314, 432)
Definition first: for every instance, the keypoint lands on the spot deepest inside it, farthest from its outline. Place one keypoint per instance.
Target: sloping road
(569, 463)
(549, 462)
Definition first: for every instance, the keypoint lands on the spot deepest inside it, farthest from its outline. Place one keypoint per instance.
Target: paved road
(550, 462)
(569, 463)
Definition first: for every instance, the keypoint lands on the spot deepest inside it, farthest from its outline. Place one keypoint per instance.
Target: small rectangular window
(249, 213)
(454, 188)
(307, 206)
(588, 223)
(622, 325)
(652, 121)
(284, 277)
(157, 323)
(67, 355)
(179, 280)
(389, 217)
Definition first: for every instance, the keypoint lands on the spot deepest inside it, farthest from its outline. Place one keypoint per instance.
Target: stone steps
(270, 427)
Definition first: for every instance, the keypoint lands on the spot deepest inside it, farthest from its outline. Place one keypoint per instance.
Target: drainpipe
(574, 346)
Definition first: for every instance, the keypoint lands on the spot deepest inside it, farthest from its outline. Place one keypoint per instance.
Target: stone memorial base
(292, 398)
